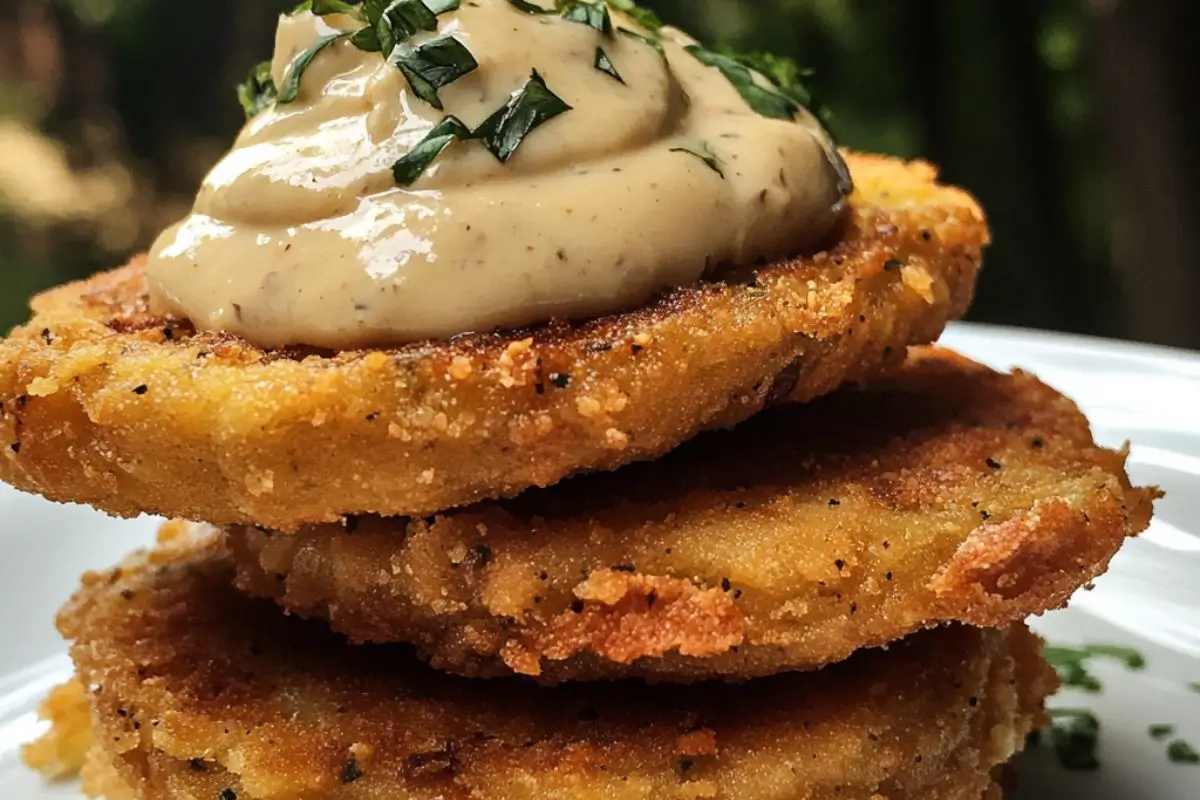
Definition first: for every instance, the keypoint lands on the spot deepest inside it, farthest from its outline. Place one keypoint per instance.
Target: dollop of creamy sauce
(301, 236)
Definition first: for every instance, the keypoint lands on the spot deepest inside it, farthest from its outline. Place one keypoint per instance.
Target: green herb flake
(323, 7)
(1074, 675)
(1180, 752)
(413, 164)
(1074, 735)
(1160, 732)
(257, 92)
(769, 102)
(372, 10)
(1131, 658)
(644, 39)
(593, 14)
(295, 71)
(367, 40)
(779, 70)
(704, 153)
(529, 108)
(430, 66)
(642, 16)
(400, 21)
(530, 8)
(351, 772)
(1194, 687)
(1071, 663)
(604, 64)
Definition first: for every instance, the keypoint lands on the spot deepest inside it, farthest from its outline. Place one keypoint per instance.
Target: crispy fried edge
(660, 626)
(62, 750)
(102, 403)
(961, 748)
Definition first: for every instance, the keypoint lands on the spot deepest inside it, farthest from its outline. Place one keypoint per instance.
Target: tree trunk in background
(923, 48)
(1049, 264)
(1146, 105)
(980, 87)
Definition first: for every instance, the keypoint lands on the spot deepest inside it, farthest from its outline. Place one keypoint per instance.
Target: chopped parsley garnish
(1071, 663)
(351, 772)
(257, 92)
(644, 39)
(414, 163)
(1195, 687)
(1074, 735)
(529, 108)
(502, 133)
(605, 65)
(290, 89)
(1180, 752)
(432, 65)
(770, 102)
(399, 22)
(530, 8)
(1131, 658)
(780, 71)
(1160, 732)
(594, 15)
(323, 7)
(387, 25)
(704, 153)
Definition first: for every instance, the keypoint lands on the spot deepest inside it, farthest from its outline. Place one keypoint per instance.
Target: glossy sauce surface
(300, 235)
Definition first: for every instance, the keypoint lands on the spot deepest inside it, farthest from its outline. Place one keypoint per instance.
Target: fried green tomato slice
(945, 493)
(103, 403)
(199, 692)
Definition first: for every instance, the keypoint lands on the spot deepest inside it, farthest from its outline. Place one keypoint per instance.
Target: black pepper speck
(351, 772)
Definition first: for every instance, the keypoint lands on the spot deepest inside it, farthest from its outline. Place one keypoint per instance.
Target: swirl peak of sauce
(300, 235)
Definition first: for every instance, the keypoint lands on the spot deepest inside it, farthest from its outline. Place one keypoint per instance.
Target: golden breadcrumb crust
(61, 752)
(198, 691)
(103, 403)
(945, 493)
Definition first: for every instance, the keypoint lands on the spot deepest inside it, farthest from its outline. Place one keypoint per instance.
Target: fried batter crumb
(254, 706)
(788, 543)
(61, 751)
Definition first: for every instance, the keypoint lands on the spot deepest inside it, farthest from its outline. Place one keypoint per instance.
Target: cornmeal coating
(200, 692)
(946, 493)
(102, 402)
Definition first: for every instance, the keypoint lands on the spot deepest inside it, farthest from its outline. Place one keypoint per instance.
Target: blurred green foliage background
(1073, 121)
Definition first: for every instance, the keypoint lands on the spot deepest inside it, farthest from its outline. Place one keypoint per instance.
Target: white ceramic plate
(1150, 600)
